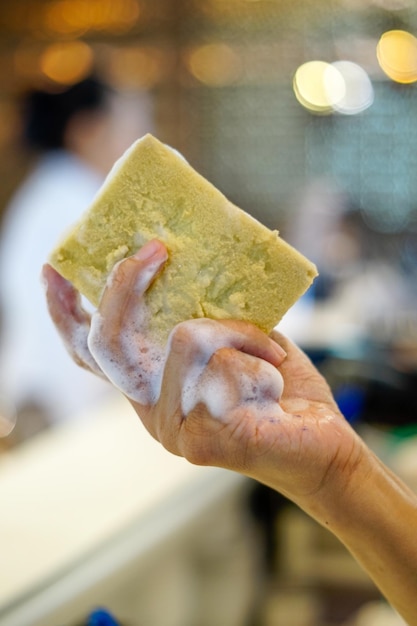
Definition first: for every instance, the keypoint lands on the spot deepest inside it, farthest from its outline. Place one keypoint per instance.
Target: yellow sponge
(222, 262)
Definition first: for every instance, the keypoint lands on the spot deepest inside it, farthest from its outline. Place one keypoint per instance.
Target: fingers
(194, 348)
(235, 380)
(200, 338)
(232, 390)
(127, 283)
(236, 396)
(119, 338)
(249, 339)
(71, 320)
(301, 377)
(62, 299)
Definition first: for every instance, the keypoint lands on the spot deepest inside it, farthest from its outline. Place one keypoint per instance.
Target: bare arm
(214, 396)
(361, 501)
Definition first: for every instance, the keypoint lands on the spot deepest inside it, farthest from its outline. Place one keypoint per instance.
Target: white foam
(221, 397)
(133, 361)
(218, 393)
(136, 363)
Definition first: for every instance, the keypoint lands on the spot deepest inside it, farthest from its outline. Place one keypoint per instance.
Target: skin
(298, 443)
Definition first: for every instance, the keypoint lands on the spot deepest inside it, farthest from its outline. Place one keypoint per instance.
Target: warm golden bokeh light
(318, 86)
(67, 63)
(75, 17)
(214, 64)
(132, 67)
(397, 55)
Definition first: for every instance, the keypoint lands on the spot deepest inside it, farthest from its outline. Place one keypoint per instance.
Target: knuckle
(195, 337)
(184, 338)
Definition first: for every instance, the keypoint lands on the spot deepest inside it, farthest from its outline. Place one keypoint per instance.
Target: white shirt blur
(34, 365)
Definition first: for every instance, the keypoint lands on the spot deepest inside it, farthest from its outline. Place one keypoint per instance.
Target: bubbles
(258, 387)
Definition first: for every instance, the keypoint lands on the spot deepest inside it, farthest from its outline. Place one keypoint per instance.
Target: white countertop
(72, 493)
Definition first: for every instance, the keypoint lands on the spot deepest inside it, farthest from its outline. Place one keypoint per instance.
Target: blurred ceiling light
(393, 5)
(388, 5)
(214, 64)
(397, 55)
(67, 62)
(319, 86)
(133, 67)
(75, 17)
(359, 93)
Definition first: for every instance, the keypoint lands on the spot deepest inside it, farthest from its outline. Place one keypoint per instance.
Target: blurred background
(304, 113)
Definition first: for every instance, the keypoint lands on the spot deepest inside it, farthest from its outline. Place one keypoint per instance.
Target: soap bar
(222, 262)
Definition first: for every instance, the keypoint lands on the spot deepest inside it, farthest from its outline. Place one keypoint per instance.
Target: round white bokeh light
(359, 93)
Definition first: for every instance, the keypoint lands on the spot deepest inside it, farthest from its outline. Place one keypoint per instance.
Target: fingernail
(280, 351)
(148, 250)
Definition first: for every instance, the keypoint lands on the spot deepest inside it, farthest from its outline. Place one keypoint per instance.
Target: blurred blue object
(350, 399)
(101, 617)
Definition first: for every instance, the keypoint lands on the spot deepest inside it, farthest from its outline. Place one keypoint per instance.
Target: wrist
(343, 495)
(374, 514)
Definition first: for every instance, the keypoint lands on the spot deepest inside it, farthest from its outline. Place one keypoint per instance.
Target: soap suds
(215, 392)
(263, 388)
(134, 361)
(138, 369)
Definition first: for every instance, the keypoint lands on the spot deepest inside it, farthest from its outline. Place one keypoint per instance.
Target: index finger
(130, 276)
(301, 378)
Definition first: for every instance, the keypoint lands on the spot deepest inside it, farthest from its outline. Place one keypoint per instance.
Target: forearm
(375, 515)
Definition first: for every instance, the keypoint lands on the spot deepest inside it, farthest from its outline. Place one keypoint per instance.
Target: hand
(214, 394)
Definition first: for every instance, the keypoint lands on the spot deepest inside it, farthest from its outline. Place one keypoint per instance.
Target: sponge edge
(222, 262)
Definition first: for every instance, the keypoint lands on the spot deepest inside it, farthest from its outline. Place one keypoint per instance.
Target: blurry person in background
(361, 286)
(76, 134)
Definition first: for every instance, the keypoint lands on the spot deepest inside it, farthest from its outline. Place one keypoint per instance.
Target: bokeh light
(318, 86)
(359, 93)
(75, 17)
(133, 67)
(215, 64)
(397, 55)
(67, 62)
(393, 5)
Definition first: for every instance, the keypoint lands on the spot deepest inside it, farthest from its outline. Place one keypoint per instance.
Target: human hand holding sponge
(188, 289)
